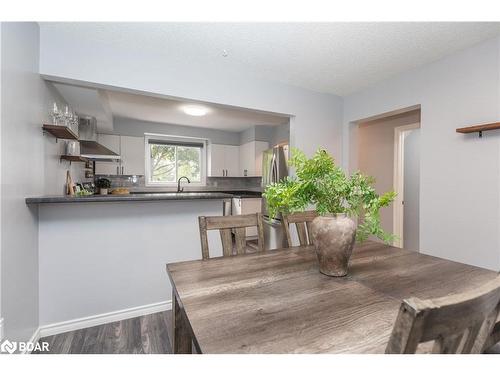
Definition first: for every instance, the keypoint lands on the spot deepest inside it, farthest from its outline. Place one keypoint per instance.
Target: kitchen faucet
(179, 189)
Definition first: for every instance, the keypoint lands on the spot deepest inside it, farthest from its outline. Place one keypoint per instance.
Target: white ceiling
(147, 108)
(338, 58)
(106, 104)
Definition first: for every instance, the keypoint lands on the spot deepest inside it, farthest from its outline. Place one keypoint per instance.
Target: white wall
(318, 117)
(459, 181)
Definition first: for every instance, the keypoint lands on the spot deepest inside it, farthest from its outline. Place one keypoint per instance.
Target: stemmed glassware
(56, 114)
(68, 117)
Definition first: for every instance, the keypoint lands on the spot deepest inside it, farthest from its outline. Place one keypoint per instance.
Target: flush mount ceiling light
(195, 110)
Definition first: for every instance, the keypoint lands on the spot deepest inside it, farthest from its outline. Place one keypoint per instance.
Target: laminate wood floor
(148, 334)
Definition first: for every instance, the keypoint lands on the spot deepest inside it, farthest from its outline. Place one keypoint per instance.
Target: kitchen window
(168, 158)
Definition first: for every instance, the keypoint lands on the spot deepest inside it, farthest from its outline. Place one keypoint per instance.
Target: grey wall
(411, 217)
(30, 166)
(22, 175)
(376, 155)
(137, 128)
(459, 179)
(272, 134)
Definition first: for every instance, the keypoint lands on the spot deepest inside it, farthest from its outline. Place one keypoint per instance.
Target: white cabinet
(113, 143)
(131, 150)
(251, 157)
(244, 206)
(232, 161)
(132, 153)
(224, 160)
(260, 147)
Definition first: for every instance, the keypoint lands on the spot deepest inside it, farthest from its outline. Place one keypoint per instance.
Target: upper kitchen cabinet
(251, 157)
(224, 161)
(113, 143)
(132, 152)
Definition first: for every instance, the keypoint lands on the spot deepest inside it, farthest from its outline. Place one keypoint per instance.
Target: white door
(132, 153)
(217, 166)
(232, 161)
(113, 143)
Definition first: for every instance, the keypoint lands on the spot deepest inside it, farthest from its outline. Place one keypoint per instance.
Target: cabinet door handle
(122, 169)
(117, 170)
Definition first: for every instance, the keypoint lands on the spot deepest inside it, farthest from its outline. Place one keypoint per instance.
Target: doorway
(387, 148)
(406, 185)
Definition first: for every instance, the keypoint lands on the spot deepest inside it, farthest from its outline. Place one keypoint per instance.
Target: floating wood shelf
(60, 132)
(72, 158)
(479, 128)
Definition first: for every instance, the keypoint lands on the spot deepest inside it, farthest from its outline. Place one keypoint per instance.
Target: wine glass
(55, 113)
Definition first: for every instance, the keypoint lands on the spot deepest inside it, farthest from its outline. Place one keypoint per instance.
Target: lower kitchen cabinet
(244, 206)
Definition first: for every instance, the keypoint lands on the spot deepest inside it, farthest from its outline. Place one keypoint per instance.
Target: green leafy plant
(320, 182)
(103, 183)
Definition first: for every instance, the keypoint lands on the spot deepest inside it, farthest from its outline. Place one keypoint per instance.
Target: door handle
(117, 169)
(122, 169)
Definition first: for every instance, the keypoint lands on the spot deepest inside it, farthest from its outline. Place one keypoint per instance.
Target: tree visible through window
(170, 161)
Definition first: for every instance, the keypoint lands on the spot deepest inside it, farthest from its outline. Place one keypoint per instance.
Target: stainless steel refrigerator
(274, 169)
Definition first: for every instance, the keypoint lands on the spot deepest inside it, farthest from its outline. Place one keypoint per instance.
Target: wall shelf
(60, 132)
(479, 128)
(74, 158)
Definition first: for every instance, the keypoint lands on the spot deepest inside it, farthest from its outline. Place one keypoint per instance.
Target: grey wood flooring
(148, 334)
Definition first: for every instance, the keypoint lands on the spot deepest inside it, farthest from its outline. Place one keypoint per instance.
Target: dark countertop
(142, 197)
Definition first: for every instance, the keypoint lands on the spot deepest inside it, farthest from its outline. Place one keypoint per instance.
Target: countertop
(144, 197)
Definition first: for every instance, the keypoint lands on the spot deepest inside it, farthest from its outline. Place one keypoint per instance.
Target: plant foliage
(320, 182)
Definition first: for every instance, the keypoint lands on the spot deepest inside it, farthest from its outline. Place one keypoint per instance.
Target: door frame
(398, 205)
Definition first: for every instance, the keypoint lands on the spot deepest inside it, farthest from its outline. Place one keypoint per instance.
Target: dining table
(277, 301)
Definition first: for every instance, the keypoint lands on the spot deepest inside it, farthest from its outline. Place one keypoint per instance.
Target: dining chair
(227, 225)
(302, 221)
(460, 323)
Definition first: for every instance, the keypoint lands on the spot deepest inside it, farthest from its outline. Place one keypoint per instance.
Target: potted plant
(349, 207)
(103, 184)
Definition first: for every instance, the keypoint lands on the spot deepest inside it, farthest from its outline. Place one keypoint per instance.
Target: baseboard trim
(1, 329)
(95, 320)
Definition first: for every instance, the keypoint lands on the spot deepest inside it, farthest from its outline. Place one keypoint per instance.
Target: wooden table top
(278, 302)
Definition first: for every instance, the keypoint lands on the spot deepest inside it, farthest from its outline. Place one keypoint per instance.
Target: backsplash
(137, 183)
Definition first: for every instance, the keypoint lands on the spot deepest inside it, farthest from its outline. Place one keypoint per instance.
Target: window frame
(174, 139)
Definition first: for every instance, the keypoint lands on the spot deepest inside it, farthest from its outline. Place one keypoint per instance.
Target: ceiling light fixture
(195, 110)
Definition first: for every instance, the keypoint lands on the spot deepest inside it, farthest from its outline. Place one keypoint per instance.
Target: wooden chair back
(302, 221)
(227, 225)
(460, 323)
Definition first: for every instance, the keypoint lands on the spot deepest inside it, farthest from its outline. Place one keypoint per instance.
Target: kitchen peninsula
(108, 253)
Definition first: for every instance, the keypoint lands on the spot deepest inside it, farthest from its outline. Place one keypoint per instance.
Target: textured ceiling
(338, 58)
